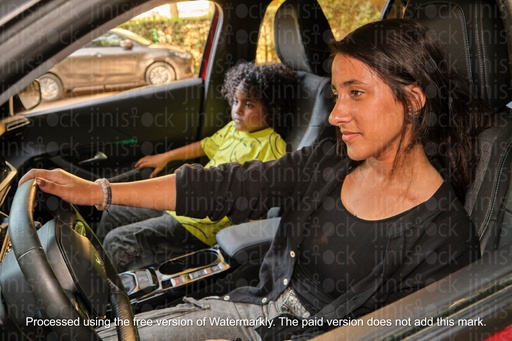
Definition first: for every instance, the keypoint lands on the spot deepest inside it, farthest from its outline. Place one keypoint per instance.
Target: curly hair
(404, 52)
(274, 85)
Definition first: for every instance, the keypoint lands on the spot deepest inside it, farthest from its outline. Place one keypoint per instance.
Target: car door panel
(79, 69)
(122, 127)
(117, 65)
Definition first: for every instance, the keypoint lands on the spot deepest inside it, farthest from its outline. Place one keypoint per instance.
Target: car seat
(302, 34)
(475, 41)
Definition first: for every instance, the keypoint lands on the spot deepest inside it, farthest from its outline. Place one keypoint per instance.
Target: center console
(165, 283)
(173, 277)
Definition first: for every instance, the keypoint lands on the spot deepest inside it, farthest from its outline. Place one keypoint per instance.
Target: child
(259, 99)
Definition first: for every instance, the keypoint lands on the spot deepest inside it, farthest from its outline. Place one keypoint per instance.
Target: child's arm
(158, 161)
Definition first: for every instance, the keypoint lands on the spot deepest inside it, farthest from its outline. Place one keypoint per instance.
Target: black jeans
(134, 237)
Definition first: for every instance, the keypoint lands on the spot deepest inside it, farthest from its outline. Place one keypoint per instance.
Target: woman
(367, 219)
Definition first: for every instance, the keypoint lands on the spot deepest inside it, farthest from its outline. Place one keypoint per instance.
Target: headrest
(302, 34)
(475, 41)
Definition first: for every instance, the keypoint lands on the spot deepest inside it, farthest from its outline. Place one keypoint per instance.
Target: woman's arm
(158, 161)
(246, 191)
(158, 193)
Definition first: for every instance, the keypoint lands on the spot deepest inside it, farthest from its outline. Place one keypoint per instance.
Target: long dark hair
(402, 53)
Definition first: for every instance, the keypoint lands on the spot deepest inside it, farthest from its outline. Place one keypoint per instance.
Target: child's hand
(157, 162)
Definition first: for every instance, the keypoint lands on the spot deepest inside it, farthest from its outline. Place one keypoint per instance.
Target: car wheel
(160, 73)
(51, 87)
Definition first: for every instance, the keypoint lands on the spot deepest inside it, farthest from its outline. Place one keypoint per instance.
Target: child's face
(248, 113)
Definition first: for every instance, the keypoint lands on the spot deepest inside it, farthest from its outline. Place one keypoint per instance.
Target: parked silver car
(118, 59)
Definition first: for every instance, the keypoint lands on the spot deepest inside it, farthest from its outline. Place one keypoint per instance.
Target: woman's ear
(417, 97)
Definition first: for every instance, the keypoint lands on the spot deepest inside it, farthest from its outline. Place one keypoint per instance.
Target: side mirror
(31, 96)
(127, 44)
(28, 98)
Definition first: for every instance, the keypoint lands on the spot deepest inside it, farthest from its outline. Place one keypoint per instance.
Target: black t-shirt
(422, 245)
(337, 252)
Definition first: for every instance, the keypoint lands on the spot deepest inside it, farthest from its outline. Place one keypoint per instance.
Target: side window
(163, 45)
(266, 50)
(343, 16)
(111, 40)
(106, 40)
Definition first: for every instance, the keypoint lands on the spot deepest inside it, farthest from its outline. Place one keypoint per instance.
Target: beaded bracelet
(107, 194)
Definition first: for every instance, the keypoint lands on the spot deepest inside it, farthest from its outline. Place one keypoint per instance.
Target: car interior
(476, 36)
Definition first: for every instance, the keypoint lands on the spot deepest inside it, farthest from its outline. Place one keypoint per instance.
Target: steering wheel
(80, 283)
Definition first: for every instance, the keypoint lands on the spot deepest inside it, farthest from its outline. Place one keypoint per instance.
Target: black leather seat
(475, 40)
(302, 34)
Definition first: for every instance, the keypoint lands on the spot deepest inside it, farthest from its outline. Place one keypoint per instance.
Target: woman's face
(370, 120)
(248, 113)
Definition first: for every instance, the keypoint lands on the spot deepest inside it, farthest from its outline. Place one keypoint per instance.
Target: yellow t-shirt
(231, 145)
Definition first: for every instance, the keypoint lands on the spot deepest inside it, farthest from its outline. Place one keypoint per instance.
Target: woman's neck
(378, 189)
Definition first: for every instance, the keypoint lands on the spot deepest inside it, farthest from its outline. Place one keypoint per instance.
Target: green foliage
(346, 15)
(266, 52)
